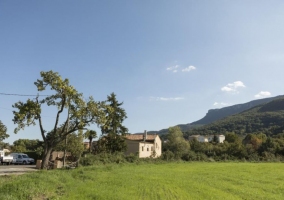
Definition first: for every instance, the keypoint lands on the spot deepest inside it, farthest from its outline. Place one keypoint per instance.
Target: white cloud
(188, 69)
(166, 98)
(262, 94)
(233, 87)
(173, 68)
(221, 104)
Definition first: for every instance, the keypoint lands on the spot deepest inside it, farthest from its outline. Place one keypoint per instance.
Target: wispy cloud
(221, 104)
(189, 68)
(173, 68)
(166, 98)
(233, 87)
(262, 94)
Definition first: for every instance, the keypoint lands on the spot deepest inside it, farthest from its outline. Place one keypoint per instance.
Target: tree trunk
(77, 164)
(45, 157)
(64, 155)
(90, 146)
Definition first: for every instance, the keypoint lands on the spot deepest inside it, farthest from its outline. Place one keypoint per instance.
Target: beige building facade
(143, 144)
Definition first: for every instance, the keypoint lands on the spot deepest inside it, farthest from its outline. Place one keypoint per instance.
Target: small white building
(207, 138)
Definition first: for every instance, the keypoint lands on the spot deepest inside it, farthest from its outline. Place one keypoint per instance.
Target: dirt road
(16, 169)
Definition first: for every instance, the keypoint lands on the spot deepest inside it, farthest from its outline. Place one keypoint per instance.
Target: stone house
(145, 145)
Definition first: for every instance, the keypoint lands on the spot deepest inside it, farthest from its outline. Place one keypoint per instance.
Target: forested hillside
(216, 114)
(266, 118)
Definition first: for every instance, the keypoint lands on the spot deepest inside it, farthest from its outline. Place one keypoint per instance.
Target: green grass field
(151, 181)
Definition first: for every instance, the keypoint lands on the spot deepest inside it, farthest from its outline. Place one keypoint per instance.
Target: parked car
(5, 159)
(21, 158)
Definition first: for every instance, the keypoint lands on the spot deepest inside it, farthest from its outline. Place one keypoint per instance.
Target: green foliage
(254, 147)
(176, 142)
(132, 158)
(168, 155)
(5, 145)
(231, 137)
(112, 129)
(3, 132)
(22, 145)
(111, 143)
(102, 158)
(74, 145)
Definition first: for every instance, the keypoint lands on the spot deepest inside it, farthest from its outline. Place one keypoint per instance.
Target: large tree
(176, 142)
(113, 131)
(73, 112)
(3, 134)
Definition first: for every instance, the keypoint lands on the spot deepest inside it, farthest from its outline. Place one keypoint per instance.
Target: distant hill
(217, 114)
(267, 118)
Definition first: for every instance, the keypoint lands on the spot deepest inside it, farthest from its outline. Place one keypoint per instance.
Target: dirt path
(16, 169)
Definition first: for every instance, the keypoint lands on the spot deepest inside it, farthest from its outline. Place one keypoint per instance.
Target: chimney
(145, 135)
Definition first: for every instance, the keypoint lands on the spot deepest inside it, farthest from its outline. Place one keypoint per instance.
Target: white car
(21, 158)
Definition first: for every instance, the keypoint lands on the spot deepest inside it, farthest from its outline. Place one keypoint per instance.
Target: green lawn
(151, 181)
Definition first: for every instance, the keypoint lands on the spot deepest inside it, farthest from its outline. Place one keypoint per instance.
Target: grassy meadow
(195, 180)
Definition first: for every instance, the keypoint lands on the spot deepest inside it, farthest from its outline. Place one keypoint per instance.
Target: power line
(6, 108)
(26, 95)
(41, 116)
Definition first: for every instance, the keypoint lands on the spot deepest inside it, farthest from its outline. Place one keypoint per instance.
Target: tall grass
(151, 181)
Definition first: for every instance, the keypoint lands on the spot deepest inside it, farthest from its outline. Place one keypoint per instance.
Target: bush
(102, 158)
(88, 159)
(131, 158)
(168, 155)
(190, 156)
(201, 157)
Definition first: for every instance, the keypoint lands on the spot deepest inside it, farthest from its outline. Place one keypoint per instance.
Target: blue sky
(168, 61)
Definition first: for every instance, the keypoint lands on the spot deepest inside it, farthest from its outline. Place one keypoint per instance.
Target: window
(142, 148)
(147, 148)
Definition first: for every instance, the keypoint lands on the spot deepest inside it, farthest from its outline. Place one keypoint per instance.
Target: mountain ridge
(265, 118)
(219, 113)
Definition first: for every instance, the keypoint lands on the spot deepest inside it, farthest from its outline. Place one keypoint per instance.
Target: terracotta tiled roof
(140, 137)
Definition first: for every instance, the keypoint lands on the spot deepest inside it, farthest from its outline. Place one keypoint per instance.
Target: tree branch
(59, 112)
(40, 124)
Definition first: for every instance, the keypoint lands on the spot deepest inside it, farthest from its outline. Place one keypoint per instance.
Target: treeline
(252, 147)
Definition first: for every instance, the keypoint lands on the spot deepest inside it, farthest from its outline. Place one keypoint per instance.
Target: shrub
(131, 158)
(168, 155)
(190, 156)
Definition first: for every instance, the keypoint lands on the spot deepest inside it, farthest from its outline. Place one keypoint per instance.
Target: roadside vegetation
(178, 180)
